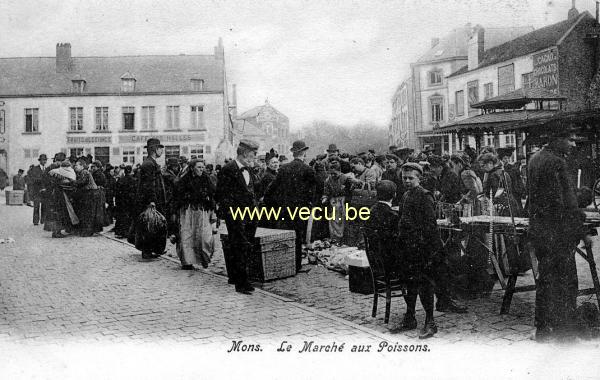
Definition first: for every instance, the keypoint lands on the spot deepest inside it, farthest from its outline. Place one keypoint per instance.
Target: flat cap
(413, 166)
(248, 144)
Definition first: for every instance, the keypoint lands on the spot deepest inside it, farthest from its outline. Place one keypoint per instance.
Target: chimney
(64, 63)
(475, 47)
(234, 90)
(573, 12)
(219, 50)
(434, 42)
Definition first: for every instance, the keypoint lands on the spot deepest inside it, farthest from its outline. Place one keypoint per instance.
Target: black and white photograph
(299, 189)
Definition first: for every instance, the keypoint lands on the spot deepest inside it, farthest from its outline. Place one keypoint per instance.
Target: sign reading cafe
(545, 70)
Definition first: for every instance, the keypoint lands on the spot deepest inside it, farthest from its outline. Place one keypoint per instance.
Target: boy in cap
(419, 236)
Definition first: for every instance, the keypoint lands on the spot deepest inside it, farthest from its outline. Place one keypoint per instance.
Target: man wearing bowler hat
(35, 178)
(237, 189)
(151, 187)
(294, 187)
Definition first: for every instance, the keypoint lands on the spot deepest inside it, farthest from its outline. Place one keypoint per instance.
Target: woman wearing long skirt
(88, 205)
(194, 196)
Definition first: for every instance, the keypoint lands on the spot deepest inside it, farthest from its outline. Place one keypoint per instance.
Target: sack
(151, 230)
(363, 197)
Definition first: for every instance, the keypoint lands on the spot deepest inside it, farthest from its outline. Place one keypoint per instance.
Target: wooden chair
(385, 283)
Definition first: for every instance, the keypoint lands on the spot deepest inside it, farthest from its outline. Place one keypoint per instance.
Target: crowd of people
(406, 191)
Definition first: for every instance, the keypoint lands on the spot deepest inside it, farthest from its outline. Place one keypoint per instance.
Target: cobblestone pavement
(328, 291)
(82, 289)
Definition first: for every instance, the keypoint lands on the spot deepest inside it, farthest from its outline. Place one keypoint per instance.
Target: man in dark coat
(170, 174)
(151, 188)
(19, 181)
(394, 174)
(420, 240)
(556, 227)
(237, 189)
(294, 187)
(35, 179)
(385, 220)
(441, 181)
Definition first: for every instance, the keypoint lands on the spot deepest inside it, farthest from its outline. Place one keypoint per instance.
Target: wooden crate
(14, 197)
(273, 256)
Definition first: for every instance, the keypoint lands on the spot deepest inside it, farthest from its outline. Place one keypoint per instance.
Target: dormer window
(197, 84)
(78, 85)
(127, 82)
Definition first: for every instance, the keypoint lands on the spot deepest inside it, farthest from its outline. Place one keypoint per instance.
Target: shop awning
(518, 99)
(496, 121)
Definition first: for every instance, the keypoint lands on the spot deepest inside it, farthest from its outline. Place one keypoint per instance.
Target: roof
(536, 40)
(496, 120)
(518, 98)
(248, 129)
(257, 110)
(37, 76)
(454, 45)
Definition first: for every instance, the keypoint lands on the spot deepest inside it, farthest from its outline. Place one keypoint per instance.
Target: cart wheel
(597, 194)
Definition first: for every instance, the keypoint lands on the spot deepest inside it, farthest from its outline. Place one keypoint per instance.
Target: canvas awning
(518, 99)
(496, 121)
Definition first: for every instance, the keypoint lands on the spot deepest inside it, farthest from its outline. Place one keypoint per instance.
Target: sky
(338, 61)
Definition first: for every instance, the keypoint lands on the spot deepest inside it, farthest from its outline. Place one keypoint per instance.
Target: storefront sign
(138, 139)
(89, 139)
(545, 70)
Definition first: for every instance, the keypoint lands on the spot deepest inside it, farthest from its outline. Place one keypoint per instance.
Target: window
(172, 151)
(129, 155)
(127, 85)
(76, 152)
(435, 77)
(437, 109)
(526, 80)
(197, 84)
(76, 118)
(31, 120)
(148, 118)
(27, 153)
(172, 117)
(197, 150)
(128, 118)
(473, 93)
(488, 139)
(197, 118)
(509, 140)
(460, 103)
(102, 154)
(269, 128)
(78, 85)
(488, 90)
(506, 79)
(102, 118)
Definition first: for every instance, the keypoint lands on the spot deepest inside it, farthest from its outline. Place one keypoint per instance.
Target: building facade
(557, 58)
(109, 106)
(421, 102)
(274, 125)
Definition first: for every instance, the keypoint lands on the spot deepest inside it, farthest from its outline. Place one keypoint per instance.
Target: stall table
(518, 227)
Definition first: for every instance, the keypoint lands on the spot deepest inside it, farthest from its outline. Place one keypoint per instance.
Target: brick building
(421, 102)
(109, 106)
(267, 125)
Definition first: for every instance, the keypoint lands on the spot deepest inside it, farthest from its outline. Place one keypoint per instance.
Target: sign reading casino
(545, 70)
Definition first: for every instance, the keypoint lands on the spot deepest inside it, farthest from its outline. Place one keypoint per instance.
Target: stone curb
(278, 297)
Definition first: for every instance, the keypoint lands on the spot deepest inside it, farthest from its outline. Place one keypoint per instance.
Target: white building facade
(109, 106)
